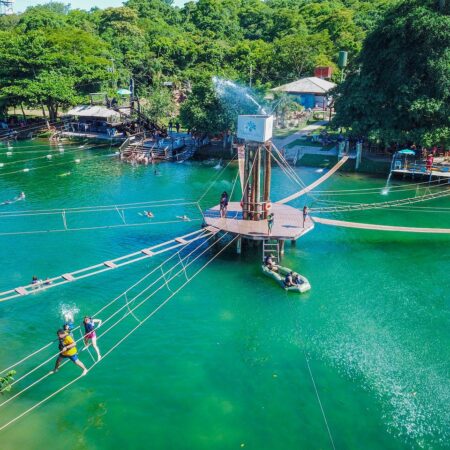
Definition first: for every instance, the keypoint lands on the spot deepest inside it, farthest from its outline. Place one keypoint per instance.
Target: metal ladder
(271, 246)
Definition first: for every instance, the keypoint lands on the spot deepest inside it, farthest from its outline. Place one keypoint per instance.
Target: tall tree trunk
(23, 113)
(43, 110)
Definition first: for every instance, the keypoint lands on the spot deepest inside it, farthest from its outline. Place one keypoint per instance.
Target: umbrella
(407, 151)
(124, 92)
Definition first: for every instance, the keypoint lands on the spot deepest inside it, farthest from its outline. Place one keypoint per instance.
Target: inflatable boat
(280, 275)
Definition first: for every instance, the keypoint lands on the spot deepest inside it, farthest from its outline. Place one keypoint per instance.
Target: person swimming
(17, 198)
(184, 218)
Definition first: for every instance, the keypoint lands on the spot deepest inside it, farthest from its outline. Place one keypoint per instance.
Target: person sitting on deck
(288, 281)
(223, 204)
(270, 263)
(68, 349)
(296, 279)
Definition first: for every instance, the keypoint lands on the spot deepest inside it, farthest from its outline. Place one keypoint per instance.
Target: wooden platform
(434, 173)
(288, 223)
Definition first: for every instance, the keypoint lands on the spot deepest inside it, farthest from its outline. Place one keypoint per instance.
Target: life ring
(267, 206)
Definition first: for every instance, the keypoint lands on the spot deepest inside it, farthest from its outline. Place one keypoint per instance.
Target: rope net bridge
(98, 217)
(126, 313)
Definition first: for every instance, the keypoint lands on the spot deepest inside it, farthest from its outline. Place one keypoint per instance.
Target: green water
(223, 364)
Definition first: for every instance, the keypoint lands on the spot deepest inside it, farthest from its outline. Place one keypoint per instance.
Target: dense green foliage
(53, 55)
(399, 90)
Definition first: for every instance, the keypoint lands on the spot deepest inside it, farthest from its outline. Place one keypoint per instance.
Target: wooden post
(267, 176)
(245, 181)
(281, 247)
(256, 183)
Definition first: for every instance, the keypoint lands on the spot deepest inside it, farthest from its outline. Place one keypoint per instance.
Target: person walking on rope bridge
(270, 222)
(68, 349)
(305, 215)
(89, 329)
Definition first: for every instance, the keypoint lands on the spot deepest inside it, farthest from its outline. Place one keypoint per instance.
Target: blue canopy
(124, 92)
(407, 151)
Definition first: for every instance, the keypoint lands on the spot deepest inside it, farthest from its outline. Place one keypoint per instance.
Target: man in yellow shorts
(68, 349)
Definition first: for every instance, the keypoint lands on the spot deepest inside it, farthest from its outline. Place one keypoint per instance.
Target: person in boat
(296, 279)
(90, 325)
(288, 281)
(67, 349)
(305, 214)
(270, 222)
(223, 204)
(270, 263)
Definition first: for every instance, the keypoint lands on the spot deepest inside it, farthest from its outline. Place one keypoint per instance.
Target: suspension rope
(151, 314)
(104, 322)
(214, 179)
(105, 307)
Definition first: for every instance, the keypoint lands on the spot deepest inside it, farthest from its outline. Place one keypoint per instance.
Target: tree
(51, 67)
(399, 88)
(158, 104)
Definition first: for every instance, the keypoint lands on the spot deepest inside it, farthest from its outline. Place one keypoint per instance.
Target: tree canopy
(266, 42)
(399, 87)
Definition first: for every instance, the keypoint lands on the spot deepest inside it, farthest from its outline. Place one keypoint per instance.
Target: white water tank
(256, 128)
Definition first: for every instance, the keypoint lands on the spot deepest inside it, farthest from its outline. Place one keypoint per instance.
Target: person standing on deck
(68, 349)
(89, 328)
(223, 204)
(270, 222)
(305, 215)
(177, 127)
(170, 125)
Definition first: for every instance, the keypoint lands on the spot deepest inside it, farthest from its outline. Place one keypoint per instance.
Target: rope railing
(161, 305)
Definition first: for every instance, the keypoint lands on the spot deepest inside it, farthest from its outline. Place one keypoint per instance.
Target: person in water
(305, 214)
(35, 281)
(270, 222)
(149, 214)
(184, 218)
(288, 281)
(68, 327)
(89, 328)
(223, 204)
(68, 349)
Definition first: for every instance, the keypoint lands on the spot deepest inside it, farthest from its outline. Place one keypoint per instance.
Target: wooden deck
(435, 173)
(288, 223)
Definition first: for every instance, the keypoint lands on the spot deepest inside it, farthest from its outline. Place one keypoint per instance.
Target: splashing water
(386, 189)
(68, 312)
(238, 96)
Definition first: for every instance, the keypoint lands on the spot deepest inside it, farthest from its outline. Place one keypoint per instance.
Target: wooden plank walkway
(121, 261)
(370, 226)
(316, 183)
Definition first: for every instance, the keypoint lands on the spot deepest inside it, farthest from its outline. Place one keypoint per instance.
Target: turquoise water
(224, 364)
